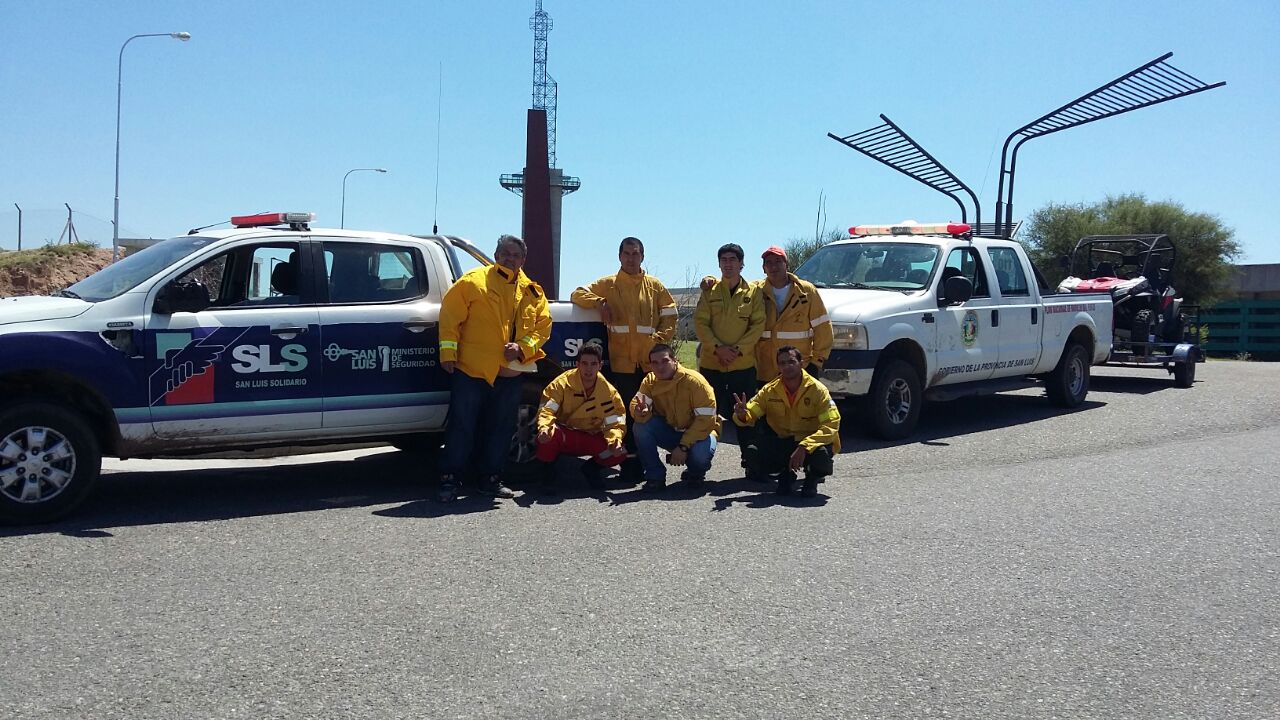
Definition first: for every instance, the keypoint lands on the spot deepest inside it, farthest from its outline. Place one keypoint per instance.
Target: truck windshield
(123, 276)
(872, 266)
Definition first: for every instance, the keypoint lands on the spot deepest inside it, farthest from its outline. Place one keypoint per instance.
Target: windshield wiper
(64, 292)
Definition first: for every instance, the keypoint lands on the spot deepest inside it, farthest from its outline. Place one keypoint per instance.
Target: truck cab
(933, 312)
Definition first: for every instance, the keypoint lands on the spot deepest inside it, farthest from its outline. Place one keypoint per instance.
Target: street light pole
(115, 218)
(343, 220)
(19, 226)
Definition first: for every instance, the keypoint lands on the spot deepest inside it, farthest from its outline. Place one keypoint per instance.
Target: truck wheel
(1184, 374)
(1068, 383)
(49, 460)
(1140, 332)
(894, 401)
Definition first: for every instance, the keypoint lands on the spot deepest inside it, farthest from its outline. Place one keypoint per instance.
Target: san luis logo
(969, 328)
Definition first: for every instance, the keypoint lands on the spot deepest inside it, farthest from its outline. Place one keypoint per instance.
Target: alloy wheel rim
(898, 401)
(36, 464)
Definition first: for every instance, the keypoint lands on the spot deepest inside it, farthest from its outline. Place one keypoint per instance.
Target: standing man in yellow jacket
(729, 321)
(639, 313)
(581, 414)
(801, 430)
(794, 315)
(493, 323)
(675, 409)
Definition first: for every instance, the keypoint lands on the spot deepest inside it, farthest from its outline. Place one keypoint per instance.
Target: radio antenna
(435, 211)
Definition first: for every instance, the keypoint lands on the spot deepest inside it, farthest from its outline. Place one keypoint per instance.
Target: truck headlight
(850, 336)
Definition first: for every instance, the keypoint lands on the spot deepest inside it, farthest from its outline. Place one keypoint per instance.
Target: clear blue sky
(690, 123)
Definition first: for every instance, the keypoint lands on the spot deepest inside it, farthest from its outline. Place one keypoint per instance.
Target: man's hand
(726, 355)
(606, 315)
(740, 406)
(643, 405)
(798, 458)
(511, 351)
(544, 436)
(707, 283)
(448, 365)
(614, 448)
(677, 457)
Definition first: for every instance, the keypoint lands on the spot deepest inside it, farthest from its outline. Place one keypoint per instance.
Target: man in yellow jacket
(729, 320)
(581, 414)
(802, 426)
(675, 409)
(794, 314)
(493, 322)
(639, 313)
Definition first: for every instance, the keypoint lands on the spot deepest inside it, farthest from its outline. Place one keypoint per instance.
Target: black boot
(492, 486)
(786, 483)
(547, 477)
(591, 473)
(810, 488)
(692, 480)
(654, 484)
(447, 490)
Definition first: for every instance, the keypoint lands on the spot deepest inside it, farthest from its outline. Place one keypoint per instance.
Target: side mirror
(182, 296)
(956, 289)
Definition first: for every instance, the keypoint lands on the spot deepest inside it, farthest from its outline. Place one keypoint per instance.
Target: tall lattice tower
(541, 185)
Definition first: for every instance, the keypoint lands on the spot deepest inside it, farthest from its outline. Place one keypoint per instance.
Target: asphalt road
(1013, 561)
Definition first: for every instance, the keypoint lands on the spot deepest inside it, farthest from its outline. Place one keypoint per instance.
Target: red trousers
(567, 441)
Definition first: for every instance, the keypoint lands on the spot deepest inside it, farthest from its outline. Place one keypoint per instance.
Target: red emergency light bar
(935, 229)
(268, 219)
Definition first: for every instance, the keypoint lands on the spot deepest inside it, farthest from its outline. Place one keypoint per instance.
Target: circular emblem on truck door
(969, 328)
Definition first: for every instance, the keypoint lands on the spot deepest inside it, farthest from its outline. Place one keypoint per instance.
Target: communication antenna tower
(545, 90)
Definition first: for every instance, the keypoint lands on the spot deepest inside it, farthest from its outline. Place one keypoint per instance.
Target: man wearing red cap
(794, 315)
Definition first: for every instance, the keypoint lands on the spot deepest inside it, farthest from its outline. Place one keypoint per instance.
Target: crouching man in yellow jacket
(675, 409)
(581, 414)
(802, 426)
(493, 323)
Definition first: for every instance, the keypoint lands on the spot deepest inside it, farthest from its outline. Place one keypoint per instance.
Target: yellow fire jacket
(565, 402)
(643, 314)
(734, 318)
(486, 309)
(686, 401)
(810, 417)
(802, 322)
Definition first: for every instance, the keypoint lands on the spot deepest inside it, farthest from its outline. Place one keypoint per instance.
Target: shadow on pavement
(1159, 379)
(768, 500)
(122, 499)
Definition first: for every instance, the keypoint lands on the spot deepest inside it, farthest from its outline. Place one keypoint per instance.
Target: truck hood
(39, 307)
(845, 305)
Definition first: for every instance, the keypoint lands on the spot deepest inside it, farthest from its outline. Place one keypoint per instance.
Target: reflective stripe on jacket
(686, 401)
(477, 317)
(565, 402)
(734, 318)
(642, 314)
(802, 323)
(811, 417)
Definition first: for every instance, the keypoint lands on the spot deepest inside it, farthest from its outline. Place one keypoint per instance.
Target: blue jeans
(483, 415)
(658, 433)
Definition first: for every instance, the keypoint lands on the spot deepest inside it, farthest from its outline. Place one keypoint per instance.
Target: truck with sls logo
(269, 334)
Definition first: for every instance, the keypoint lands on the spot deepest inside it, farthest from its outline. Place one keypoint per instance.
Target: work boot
(654, 484)
(631, 471)
(547, 477)
(447, 490)
(691, 480)
(810, 488)
(591, 473)
(492, 486)
(786, 483)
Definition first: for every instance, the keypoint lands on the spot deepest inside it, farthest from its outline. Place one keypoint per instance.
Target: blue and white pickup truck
(270, 334)
(931, 312)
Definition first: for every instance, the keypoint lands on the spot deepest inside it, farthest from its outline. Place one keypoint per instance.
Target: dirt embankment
(46, 269)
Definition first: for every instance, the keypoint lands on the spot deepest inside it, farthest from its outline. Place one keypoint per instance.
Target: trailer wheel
(1068, 383)
(1184, 374)
(49, 460)
(894, 401)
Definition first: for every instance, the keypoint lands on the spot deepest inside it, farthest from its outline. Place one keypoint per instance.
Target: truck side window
(251, 275)
(967, 261)
(368, 273)
(1009, 274)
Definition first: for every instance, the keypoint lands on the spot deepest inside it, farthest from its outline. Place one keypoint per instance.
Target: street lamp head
(183, 36)
(381, 170)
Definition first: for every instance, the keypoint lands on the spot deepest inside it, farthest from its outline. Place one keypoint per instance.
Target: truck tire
(49, 461)
(894, 401)
(1068, 383)
(1184, 374)
(1140, 331)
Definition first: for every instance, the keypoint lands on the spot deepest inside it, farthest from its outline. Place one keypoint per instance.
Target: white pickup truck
(931, 312)
(270, 334)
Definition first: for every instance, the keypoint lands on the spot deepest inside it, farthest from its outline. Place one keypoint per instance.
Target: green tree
(801, 249)
(1205, 246)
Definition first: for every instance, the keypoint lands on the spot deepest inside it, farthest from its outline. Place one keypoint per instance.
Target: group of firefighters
(762, 343)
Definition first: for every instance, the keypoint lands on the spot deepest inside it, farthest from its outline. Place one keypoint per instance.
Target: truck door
(248, 364)
(380, 336)
(968, 340)
(1021, 317)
